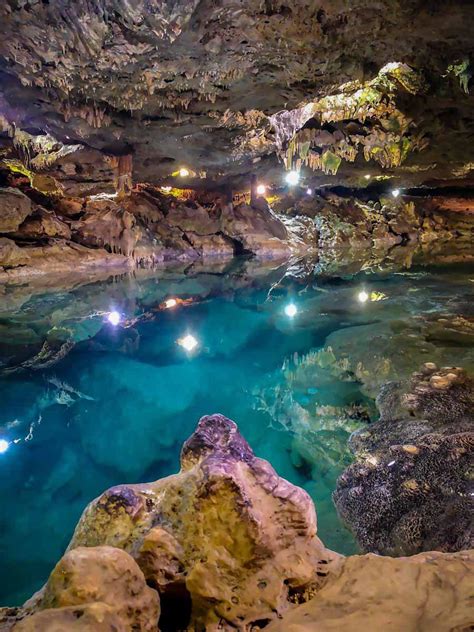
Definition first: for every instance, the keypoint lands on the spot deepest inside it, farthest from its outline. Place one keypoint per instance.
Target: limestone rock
(409, 489)
(93, 589)
(430, 592)
(226, 530)
(14, 209)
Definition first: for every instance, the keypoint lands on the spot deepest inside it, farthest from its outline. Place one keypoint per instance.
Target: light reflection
(367, 176)
(291, 310)
(261, 188)
(183, 172)
(188, 342)
(171, 302)
(309, 191)
(113, 318)
(396, 193)
(363, 297)
(165, 189)
(4, 445)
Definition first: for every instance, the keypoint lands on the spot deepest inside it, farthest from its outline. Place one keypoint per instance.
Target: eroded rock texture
(430, 592)
(226, 532)
(410, 489)
(90, 589)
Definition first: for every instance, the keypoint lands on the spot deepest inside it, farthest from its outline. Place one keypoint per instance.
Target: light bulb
(292, 178)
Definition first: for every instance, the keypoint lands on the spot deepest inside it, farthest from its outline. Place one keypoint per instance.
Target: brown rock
(91, 587)
(14, 209)
(233, 535)
(430, 592)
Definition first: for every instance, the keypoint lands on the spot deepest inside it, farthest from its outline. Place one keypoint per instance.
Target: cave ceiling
(227, 88)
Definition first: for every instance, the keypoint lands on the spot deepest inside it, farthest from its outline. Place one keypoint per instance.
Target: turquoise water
(102, 404)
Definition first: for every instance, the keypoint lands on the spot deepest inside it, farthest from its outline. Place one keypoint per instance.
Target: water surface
(85, 404)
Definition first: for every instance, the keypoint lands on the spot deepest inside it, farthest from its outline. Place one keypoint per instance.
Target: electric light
(171, 302)
(188, 342)
(367, 176)
(291, 310)
(309, 191)
(363, 297)
(4, 445)
(396, 193)
(261, 188)
(292, 178)
(113, 318)
(183, 172)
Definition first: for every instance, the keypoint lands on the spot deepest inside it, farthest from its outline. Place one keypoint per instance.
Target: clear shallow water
(119, 404)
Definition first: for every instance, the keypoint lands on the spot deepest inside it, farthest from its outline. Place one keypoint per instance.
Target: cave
(237, 261)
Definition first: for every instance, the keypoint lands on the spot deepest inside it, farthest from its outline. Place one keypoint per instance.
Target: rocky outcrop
(229, 545)
(94, 589)
(15, 207)
(430, 592)
(410, 488)
(145, 229)
(225, 533)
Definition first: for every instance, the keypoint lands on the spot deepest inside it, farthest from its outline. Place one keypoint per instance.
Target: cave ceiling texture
(340, 89)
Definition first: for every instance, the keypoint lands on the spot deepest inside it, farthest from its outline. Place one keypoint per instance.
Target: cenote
(294, 355)
(236, 316)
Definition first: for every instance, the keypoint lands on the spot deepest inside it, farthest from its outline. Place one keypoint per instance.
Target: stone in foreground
(226, 532)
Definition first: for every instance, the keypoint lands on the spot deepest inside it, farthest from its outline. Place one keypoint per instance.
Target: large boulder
(410, 488)
(431, 592)
(14, 209)
(226, 532)
(92, 589)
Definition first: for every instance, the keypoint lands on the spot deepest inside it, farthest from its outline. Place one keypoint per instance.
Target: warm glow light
(4, 445)
(171, 302)
(367, 176)
(188, 342)
(363, 297)
(396, 193)
(165, 189)
(292, 177)
(261, 188)
(183, 172)
(113, 318)
(309, 191)
(291, 310)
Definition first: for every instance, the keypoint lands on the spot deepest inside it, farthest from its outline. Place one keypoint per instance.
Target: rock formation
(229, 545)
(410, 488)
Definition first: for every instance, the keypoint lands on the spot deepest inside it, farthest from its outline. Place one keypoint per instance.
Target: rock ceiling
(224, 87)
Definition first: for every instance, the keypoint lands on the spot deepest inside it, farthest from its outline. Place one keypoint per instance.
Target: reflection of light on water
(188, 342)
(291, 310)
(171, 302)
(113, 318)
(4, 445)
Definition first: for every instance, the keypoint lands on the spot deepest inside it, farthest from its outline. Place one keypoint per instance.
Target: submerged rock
(410, 489)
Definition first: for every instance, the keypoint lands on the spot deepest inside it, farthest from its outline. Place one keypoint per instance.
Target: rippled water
(101, 404)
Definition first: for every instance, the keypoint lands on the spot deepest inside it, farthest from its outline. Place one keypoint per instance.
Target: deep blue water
(120, 403)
